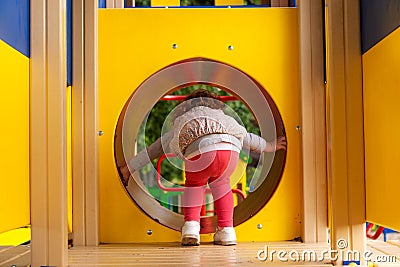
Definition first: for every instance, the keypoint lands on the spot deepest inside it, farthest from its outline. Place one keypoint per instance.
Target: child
(209, 142)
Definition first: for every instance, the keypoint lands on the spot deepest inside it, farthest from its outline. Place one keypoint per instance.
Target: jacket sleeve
(254, 143)
(153, 151)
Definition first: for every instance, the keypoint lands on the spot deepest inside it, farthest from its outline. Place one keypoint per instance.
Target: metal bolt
(174, 46)
(259, 226)
(100, 133)
(149, 232)
(230, 47)
(298, 127)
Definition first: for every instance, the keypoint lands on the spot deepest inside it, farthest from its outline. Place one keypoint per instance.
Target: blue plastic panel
(378, 19)
(15, 24)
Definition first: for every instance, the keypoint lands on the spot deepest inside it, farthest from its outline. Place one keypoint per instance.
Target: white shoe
(190, 233)
(225, 236)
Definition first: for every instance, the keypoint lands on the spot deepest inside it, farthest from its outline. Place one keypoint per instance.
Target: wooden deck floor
(15, 256)
(173, 254)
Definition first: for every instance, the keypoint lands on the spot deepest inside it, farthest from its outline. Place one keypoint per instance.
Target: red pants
(214, 168)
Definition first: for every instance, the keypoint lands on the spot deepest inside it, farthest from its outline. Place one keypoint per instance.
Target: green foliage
(197, 2)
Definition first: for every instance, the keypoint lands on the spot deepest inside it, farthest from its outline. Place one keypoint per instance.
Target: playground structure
(331, 130)
(199, 70)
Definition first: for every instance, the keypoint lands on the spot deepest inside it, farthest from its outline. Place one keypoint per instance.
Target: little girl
(209, 142)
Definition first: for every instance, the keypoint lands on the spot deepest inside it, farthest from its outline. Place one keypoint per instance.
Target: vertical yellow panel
(271, 57)
(14, 138)
(381, 68)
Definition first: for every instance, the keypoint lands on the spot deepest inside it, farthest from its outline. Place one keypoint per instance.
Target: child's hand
(277, 144)
(124, 171)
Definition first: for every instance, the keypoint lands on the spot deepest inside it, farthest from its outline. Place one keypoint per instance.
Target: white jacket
(199, 127)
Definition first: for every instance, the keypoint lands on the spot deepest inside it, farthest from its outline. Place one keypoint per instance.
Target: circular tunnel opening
(178, 79)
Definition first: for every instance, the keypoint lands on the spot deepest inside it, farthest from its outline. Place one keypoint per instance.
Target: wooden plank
(57, 138)
(345, 135)
(355, 127)
(3, 249)
(172, 254)
(48, 134)
(313, 123)
(78, 130)
(119, 3)
(394, 242)
(389, 250)
(12, 252)
(18, 256)
(91, 124)
(110, 4)
(38, 134)
(320, 144)
(337, 124)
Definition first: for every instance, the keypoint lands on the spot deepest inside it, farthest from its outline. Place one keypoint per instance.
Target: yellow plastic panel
(229, 2)
(267, 51)
(381, 69)
(158, 3)
(14, 138)
(15, 237)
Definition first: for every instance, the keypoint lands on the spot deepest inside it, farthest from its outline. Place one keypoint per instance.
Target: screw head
(298, 127)
(259, 226)
(174, 46)
(149, 232)
(100, 133)
(230, 47)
